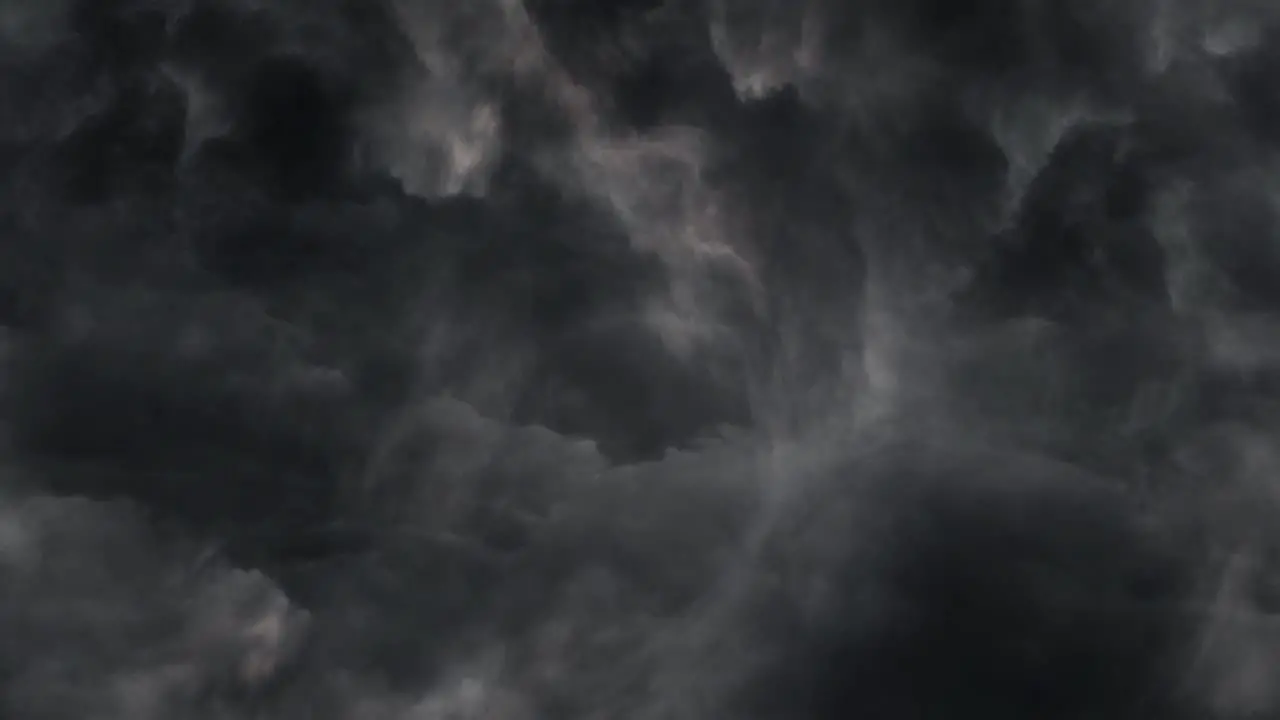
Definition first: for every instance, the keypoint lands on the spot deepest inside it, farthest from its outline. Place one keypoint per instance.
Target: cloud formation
(512, 359)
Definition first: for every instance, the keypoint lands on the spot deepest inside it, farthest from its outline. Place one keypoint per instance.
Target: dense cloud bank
(415, 359)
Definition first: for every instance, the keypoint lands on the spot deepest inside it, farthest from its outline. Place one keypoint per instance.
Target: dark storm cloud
(416, 359)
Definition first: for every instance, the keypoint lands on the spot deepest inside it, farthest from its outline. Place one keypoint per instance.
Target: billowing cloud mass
(645, 360)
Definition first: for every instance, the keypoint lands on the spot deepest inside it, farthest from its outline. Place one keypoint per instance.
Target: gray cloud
(653, 360)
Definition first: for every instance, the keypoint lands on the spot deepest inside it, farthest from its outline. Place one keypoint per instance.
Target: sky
(645, 360)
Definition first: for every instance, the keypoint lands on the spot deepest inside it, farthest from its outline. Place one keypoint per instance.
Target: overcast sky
(698, 359)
